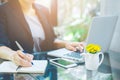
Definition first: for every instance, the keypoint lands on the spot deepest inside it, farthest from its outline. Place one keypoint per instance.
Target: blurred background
(73, 17)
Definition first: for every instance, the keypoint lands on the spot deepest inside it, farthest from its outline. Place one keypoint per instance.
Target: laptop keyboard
(74, 55)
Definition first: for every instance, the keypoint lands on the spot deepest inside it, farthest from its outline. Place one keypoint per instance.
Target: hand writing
(19, 58)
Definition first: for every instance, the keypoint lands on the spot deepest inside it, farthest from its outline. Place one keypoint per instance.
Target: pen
(20, 47)
(18, 67)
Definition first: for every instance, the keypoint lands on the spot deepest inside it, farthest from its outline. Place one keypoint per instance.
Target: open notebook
(39, 66)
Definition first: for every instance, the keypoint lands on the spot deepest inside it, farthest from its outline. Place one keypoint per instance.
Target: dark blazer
(15, 27)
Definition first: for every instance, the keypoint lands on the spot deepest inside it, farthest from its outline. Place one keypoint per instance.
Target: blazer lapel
(18, 28)
(43, 15)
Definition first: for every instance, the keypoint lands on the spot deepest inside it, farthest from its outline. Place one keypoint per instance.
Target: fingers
(21, 54)
(80, 47)
(30, 57)
(69, 46)
(74, 46)
(22, 59)
(24, 62)
(25, 56)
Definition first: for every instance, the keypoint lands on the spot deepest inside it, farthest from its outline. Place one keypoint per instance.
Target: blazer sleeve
(3, 30)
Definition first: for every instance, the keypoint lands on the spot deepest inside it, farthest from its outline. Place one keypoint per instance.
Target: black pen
(20, 47)
(18, 67)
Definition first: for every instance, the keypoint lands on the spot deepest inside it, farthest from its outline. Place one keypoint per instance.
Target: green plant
(77, 32)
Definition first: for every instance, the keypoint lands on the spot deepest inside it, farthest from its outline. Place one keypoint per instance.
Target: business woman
(29, 24)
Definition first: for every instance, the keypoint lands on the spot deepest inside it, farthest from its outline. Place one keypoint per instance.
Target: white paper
(39, 66)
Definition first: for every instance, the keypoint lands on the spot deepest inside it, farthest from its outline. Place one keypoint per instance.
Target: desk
(109, 70)
(80, 72)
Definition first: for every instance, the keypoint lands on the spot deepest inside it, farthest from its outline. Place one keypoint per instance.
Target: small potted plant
(93, 48)
(92, 60)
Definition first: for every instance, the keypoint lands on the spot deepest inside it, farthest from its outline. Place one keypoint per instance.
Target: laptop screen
(101, 31)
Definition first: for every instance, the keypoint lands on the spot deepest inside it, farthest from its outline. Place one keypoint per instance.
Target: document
(39, 66)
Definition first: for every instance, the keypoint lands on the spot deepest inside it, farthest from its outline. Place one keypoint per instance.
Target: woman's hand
(75, 45)
(19, 58)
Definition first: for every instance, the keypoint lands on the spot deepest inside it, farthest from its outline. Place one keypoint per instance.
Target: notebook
(101, 31)
(65, 53)
(39, 66)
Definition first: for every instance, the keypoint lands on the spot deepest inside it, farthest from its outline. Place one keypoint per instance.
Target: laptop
(65, 53)
(100, 32)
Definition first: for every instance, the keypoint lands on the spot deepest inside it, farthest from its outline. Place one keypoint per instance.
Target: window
(71, 18)
(74, 17)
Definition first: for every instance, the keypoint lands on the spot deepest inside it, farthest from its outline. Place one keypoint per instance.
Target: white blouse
(36, 31)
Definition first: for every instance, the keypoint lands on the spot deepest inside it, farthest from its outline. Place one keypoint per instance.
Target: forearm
(60, 43)
(6, 53)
